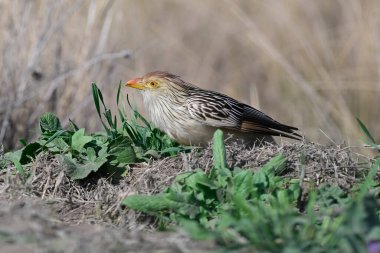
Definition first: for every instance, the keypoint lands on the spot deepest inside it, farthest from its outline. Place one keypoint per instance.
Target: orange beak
(135, 83)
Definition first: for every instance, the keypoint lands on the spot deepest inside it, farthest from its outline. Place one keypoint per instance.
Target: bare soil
(49, 212)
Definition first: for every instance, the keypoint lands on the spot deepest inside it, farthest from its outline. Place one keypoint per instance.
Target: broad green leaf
(144, 203)
(158, 203)
(226, 220)
(23, 142)
(242, 205)
(91, 154)
(15, 154)
(185, 175)
(275, 165)
(220, 162)
(283, 198)
(78, 170)
(180, 193)
(83, 170)
(122, 150)
(49, 122)
(243, 183)
(200, 178)
(126, 156)
(29, 152)
(69, 163)
(57, 145)
(18, 166)
(15, 157)
(171, 150)
(78, 140)
(260, 179)
(219, 150)
(118, 144)
(152, 153)
(195, 230)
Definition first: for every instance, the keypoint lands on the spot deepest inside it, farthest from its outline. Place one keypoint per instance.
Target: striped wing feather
(213, 111)
(217, 110)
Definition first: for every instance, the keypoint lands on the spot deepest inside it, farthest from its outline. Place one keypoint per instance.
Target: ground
(49, 212)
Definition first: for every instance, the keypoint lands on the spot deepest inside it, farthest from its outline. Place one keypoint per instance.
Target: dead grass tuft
(42, 206)
(97, 200)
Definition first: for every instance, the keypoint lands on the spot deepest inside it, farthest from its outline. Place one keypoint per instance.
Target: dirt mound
(29, 226)
(95, 203)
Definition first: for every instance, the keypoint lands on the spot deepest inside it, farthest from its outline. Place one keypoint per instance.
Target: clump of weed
(107, 152)
(262, 211)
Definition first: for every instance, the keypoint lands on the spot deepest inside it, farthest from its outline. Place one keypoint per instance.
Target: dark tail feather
(275, 130)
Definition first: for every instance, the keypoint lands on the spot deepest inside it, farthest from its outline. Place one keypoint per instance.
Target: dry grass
(44, 211)
(98, 199)
(312, 64)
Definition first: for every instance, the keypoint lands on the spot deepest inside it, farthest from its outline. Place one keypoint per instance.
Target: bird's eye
(153, 84)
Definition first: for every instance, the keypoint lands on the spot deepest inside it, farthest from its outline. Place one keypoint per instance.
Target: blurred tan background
(311, 64)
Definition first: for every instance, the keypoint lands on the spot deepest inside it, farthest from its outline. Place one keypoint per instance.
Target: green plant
(147, 140)
(104, 152)
(81, 153)
(258, 209)
(370, 141)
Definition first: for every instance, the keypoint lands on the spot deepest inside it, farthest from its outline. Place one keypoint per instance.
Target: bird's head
(157, 81)
(146, 83)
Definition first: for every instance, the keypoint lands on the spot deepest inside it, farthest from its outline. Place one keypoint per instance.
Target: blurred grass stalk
(313, 64)
(42, 69)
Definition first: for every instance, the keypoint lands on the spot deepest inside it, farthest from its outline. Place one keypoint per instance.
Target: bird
(190, 115)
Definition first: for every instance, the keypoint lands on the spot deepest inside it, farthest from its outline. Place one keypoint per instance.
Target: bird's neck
(161, 110)
(157, 107)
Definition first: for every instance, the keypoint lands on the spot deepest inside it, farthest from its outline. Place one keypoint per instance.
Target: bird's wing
(213, 111)
(220, 111)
